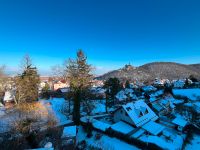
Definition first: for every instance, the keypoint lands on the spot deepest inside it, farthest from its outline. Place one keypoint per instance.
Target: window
(128, 108)
(146, 111)
(140, 115)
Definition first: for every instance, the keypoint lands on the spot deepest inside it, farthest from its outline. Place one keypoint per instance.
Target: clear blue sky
(111, 32)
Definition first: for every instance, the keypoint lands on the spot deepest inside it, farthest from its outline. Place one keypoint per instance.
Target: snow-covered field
(192, 94)
(194, 143)
(175, 143)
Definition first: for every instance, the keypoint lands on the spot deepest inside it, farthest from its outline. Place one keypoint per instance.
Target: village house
(163, 106)
(125, 95)
(180, 123)
(180, 83)
(98, 92)
(97, 83)
(140, 116)
(160, 82)
(149, 89)
(60, 84)
(135, 113)
(9, 98)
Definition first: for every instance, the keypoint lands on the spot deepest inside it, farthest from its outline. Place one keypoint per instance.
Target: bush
(168, 89)
(88, 129)
(31, 117)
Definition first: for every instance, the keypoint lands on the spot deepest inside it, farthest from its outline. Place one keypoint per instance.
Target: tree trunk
(106, 104)
(69, 106)
(76, 110)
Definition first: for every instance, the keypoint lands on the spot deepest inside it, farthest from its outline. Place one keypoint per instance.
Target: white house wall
(118, 116)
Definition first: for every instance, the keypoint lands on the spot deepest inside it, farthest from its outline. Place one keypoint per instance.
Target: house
(163, 106)
(158, 82)
(97, 83)
(63, 91)
(153, 128)
(149, 88)
(69, 137)
(9, 98)
(98, 92)
(126, 94)
(60, 84)
(135, 113)
(180, 123)
(180, 83)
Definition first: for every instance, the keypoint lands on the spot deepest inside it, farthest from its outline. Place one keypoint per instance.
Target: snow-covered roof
(100, 125)
(138, 133)
(179, 121)
(153, 127)
(157, 93)
(158, 82)
(69, 132)
(122, 95)
(157, 106)
(197, 104)
(64, 90)
(179, 83)
(122, 127)
(139, 112)
(192, 94)
(8, 96)
(149, 88)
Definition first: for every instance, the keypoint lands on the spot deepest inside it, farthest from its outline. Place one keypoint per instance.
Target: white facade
(9, 96)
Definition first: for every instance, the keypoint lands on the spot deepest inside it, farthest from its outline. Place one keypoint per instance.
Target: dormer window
(128, 108)
(140, 115)
(146, 112)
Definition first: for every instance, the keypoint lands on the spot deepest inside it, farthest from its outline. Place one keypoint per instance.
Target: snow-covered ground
(194, 143)
(99, 106)
(125, 93)
(174, 143)
(105, 142)
(192, 94)
(58, 106)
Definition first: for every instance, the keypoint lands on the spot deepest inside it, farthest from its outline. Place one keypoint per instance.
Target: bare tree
(25, 62)
(57, 71)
